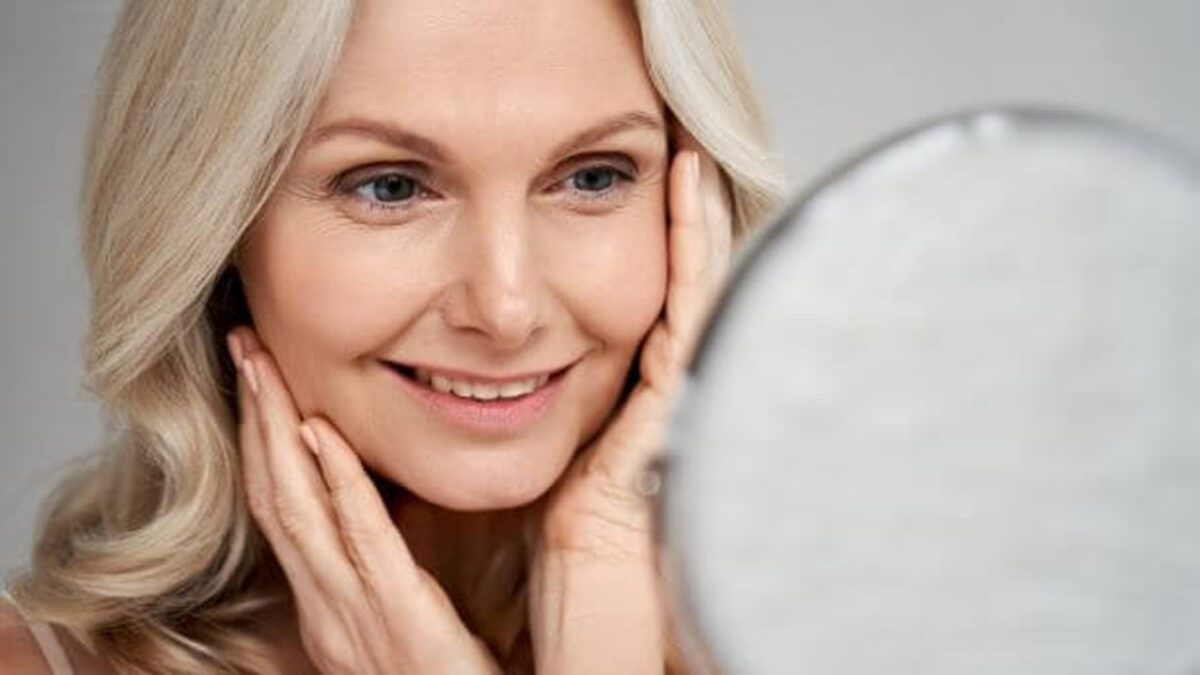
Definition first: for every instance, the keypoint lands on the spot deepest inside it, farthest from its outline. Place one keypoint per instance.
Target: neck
(463, 550)
(480, 560)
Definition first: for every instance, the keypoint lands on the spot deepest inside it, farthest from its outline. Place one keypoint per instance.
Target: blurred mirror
(947, 417)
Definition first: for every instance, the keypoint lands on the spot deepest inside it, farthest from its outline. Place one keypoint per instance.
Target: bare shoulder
(19, 652)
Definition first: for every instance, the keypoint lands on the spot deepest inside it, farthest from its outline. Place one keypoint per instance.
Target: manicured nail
(693, 161)
(310, 439)
(251, 375)
(235, 347)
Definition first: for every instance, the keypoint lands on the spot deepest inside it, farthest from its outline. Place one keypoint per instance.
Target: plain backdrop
(836, 76)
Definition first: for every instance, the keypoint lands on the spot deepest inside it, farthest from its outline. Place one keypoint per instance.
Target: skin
(504, 258)
(502, 267)
(500, 258)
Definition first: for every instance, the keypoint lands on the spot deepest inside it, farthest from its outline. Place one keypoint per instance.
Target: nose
(496, 294)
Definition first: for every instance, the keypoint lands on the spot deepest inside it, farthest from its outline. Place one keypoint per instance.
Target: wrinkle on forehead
(486, 69)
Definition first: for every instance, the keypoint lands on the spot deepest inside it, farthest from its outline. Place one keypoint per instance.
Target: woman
(388, 301)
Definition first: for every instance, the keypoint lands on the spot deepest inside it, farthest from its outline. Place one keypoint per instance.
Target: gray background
(836, 76)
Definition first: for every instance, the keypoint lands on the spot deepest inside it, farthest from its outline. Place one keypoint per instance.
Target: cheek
(320, 295)
(615, 280)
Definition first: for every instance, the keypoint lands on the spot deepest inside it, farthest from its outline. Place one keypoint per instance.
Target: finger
(371, 539)
(717, 203)
(690, 276)
(701, 239)
(422, 616)
(298, 502)
(259, 487)
(429, 632)
(630, 446)
(687, 238)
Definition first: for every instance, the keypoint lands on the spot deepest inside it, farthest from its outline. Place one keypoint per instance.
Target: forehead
(435, 63)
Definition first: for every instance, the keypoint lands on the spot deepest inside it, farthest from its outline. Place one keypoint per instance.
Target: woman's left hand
(595, 601)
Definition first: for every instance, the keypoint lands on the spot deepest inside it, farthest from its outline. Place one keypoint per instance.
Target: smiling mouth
(468, 390)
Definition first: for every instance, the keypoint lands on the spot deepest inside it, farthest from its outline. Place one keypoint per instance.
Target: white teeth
(484, 392)
(516, 388)
(481, 391)
(441, 384)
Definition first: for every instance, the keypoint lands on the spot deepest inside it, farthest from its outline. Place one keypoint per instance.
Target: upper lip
(463, 375)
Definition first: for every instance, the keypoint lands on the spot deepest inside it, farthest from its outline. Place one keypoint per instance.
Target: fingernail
(310, 439)
(235, 347)
(251, 375)
(693, 161)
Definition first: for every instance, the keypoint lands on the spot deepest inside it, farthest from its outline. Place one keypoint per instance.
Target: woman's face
(478, 204)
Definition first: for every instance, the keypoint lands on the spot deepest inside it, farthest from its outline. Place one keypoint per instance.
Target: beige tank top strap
(47, 640)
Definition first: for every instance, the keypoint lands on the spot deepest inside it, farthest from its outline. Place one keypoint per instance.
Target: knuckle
(342, 489)
(291, 521)
(358, 524)
(349, 493)
(346, 499)
(259, 502)
(661, 357)
(267, 434)
(610, 527)
(332, 652)
(360, 534)
(611, 490)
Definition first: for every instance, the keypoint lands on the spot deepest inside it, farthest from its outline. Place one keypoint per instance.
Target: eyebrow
(399, 137)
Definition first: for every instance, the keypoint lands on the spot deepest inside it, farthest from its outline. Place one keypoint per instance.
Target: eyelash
(349, 186)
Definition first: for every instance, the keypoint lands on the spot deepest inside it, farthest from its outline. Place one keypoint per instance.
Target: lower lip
(495, 417)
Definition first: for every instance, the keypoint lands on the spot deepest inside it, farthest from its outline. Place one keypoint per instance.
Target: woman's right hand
(364, 605)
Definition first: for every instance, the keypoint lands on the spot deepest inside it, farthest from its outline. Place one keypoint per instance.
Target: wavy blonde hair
(147, 554)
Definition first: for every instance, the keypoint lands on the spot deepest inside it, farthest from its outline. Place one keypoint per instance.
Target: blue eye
(600, 181)
(389, 188)
(594, 179)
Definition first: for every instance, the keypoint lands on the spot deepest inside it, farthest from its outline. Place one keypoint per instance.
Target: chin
(486, 481)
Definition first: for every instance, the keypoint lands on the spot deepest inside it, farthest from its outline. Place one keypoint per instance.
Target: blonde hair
(147, 554)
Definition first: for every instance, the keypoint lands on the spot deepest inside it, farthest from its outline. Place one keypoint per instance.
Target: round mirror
(946, 418)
